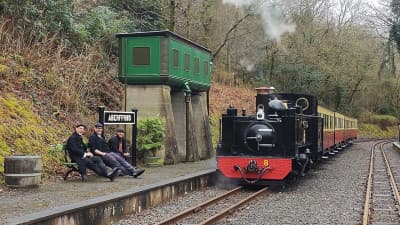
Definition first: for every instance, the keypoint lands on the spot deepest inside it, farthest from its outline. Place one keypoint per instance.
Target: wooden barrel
(22, 170)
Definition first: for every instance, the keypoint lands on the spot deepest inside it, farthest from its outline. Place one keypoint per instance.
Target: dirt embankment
(221, 97)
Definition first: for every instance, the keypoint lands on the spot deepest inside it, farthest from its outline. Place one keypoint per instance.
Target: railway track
(382, 199)
(213, 210)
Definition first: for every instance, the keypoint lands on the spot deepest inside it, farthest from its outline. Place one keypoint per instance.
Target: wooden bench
(72, 167)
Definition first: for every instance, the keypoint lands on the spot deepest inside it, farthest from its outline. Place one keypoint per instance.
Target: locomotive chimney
(263, 97)
(265, 90)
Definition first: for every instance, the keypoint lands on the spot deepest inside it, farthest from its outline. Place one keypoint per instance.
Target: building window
(196, 65)
(205, 67)
(187, 62)
(141, 56)
(175, 55)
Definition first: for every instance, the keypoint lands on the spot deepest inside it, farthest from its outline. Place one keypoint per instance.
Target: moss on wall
(22, 131)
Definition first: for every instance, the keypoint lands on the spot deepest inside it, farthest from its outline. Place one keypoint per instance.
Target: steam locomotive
(287, 136)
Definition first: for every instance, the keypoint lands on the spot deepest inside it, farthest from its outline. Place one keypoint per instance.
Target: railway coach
(338, 129)
(287, 136)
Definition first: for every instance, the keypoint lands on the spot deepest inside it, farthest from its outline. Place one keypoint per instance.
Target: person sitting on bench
(78, 154)
(117, 144)
(99, 146)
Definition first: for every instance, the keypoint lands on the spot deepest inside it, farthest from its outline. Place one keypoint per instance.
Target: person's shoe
(137, 172)
(114, 173)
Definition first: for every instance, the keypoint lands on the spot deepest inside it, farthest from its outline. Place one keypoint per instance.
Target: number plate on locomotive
(266, 162)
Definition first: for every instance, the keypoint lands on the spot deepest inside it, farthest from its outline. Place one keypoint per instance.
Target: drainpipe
(188, 94)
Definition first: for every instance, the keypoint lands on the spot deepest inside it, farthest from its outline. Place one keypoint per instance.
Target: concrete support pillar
(178, 108)
(201, 125)
(161, 101)
(155, 101)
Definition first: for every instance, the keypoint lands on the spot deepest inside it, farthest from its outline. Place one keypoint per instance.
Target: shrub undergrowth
(45, 90)
(22, 131)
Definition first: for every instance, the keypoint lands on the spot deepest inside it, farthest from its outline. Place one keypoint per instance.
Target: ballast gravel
(331, 194)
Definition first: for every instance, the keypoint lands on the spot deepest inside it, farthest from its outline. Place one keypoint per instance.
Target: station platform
(22, 205)
(396, 146)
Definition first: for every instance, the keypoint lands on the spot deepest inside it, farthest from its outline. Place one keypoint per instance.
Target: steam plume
(274, 21)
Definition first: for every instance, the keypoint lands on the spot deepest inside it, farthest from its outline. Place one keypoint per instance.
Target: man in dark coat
(78, 154)
(117, 144)
(99, 146)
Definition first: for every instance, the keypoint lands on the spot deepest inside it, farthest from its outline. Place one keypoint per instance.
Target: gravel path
(332, 194)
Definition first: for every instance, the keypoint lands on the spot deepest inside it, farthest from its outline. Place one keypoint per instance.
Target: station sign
(115, 117)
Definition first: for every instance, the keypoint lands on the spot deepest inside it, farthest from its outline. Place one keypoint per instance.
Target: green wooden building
(163, 57)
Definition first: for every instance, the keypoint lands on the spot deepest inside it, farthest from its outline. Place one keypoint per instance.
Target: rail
(213, 219)
(378, 164)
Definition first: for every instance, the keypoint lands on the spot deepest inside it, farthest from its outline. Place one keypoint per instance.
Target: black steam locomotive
(283, 139)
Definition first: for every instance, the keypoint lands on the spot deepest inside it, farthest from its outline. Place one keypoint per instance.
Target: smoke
(238, 3)
(244, 62)
(274, 21)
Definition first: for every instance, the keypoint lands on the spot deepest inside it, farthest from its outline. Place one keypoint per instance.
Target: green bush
(42, 17)
(374, 131)
(384, 121)
(215, 129)
(151, 132)
(148, 15)
(100, 25)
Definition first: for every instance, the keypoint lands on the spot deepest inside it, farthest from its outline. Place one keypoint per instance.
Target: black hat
(97, 125)
(80, 125)
(120, 130)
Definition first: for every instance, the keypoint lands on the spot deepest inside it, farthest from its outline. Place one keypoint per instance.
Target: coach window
(196, 65)
(205, 67)
(187, 62)
(325, 121)
(141, 56)
(328, 121)
(175, 62)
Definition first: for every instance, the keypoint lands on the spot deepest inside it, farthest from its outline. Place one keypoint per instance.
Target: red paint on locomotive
(277, 168)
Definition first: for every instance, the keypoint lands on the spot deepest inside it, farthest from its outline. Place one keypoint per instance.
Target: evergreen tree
(147, 15)
(395, 29)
